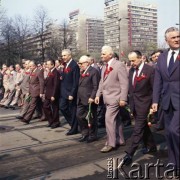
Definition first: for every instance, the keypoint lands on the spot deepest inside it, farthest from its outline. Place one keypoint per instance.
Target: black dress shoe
(83, 138)
(24, 121)
(91, 139)
(53, 126)
(48, 125)
(149, 150)
(126, 124)
(126, 160)
(100, 125)
(19, 117)
(43, 119)
(12, 107)
(122, 144)
(6, 107)
(71, 133)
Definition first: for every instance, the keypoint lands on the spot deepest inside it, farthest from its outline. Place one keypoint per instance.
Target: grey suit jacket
(114, 87)
(166, 85)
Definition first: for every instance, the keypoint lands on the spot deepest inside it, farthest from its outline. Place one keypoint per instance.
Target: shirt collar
(52, 69)
(110, 61)
(86, 70)
(176, 51)
(68, 63)
(140, 67)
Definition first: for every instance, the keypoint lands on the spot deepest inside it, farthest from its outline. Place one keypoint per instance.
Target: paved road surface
(36, 152)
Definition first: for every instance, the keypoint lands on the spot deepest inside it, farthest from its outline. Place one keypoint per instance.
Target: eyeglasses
(82, 63)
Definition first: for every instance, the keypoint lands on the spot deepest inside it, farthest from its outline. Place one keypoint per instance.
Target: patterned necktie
(171, 62)
(135, 77)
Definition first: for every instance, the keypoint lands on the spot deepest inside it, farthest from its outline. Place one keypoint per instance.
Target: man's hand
(122, 103)
(90, 100)
(41, 95)
(52, 98)
(154, 107)
(70, 98)
(96, 100)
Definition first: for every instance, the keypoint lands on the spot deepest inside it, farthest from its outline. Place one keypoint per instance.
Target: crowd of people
(91, 95)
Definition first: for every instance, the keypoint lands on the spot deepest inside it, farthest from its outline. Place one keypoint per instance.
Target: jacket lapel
(131, 72)
(176, 64)
(112, 65)
(164, 65)
(82, 78)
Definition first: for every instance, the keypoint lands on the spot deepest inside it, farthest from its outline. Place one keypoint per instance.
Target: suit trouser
(39, 112)
(25, 106)
(172, 129)
(5, 96)
(82, 111)
(32, 106)
(68, 109)
(141, 132)
(101, 110)
(16, 97)
(114, 126)
(51, 110)
(10, 98)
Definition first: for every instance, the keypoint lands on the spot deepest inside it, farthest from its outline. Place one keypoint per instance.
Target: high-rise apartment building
(130, 24)
(88, 32)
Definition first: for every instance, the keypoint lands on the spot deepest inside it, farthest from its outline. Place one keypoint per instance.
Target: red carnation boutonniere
(67, 70)
(108, 70)
(33, 74)
(178, 57)
(27, 73)
(140, 78)
(50, 74)
(85, 75)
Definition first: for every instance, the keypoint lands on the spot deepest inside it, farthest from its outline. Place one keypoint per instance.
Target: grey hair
(108, 49)
(68, 51)
(84, 58)
(171, 29)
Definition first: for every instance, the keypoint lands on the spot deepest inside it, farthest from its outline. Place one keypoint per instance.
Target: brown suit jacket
(36, 83)
(88, 85)
(52, 84)
(114, 87)
(140, 97)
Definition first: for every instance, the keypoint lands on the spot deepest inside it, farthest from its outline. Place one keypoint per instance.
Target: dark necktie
(65, 65)
(171, 62)
(135, 77)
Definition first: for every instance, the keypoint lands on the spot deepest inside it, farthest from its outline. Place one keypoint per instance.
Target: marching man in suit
(36, 90)
(167, 86)
(68, 91)
(141, 78)
(51, 102)
(114, 88)
(88, 86)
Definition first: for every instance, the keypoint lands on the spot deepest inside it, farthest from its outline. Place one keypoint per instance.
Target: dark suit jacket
(140, 97)
(70, 81)
(166, 85)
(36, 83)
(52, 85)
(88, 86)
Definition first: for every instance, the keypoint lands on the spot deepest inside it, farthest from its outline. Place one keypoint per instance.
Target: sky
(168, 10)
